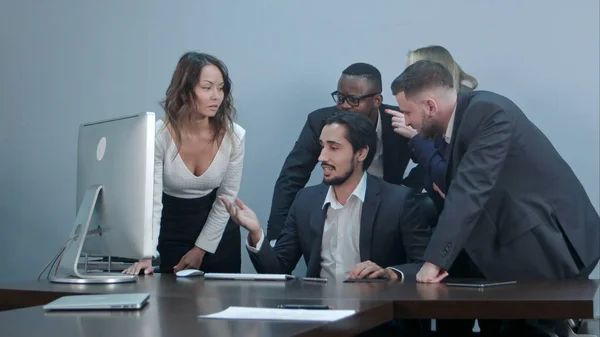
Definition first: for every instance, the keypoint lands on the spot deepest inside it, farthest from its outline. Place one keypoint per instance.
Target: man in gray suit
(514, 208)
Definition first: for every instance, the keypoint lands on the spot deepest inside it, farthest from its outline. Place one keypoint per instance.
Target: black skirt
(182, 221)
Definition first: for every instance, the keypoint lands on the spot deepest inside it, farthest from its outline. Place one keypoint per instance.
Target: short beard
(429, 127)
(336, 181)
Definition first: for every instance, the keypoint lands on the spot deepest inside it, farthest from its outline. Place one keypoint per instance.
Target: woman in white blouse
(199, 156)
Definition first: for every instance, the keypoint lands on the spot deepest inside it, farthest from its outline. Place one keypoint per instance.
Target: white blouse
(172, 176)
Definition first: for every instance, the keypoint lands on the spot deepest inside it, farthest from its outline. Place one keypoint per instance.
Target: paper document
(251, 277)
(304, 315)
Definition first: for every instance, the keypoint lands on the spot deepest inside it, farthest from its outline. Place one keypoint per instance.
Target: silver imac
(115, 165)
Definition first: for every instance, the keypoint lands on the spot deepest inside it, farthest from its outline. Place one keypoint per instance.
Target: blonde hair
(442, 55)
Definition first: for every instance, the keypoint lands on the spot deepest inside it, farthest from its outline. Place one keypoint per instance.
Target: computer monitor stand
(67, 271)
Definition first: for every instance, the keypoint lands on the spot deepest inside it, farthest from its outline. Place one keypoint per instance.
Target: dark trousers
(181, 222)
(464, 267)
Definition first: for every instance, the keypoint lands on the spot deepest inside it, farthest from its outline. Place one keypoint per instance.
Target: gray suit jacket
(513, 203)
(392, 232)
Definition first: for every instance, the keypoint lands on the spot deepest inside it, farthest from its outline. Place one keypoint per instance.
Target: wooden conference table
(175, 304)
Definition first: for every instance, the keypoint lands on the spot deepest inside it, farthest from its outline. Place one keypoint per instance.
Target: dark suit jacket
(301, 161)
(430, 155)
(513, 203)
(392, 232)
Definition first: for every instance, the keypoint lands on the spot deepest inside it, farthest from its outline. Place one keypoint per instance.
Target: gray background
(65, 62)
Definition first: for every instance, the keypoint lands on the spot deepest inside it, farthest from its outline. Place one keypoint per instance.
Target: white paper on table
(304, 315)
(247, 277)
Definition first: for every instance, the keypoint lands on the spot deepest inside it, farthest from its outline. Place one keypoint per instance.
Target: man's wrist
(255, 237)
(394, 274)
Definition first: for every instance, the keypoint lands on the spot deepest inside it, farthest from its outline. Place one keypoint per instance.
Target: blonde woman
(442, 55)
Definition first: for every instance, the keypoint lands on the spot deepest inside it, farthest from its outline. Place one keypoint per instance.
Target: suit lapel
(367, 219)
(461, 105)
(317, 223)
(391, 143)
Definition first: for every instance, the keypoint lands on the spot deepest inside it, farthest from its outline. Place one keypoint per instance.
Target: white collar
(448, 134)
(359, 191)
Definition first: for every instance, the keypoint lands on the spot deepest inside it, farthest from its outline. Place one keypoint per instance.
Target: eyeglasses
(353, 101)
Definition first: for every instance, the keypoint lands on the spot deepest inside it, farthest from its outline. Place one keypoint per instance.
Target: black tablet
(478, 283)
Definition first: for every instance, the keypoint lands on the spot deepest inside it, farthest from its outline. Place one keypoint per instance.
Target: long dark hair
(180, 100)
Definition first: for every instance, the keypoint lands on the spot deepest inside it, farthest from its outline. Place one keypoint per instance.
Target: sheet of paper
(270, 314)
(251, 277)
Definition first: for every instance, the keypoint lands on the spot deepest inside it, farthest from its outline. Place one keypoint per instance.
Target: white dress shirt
(340, 251)
(450, 128)
(172, 177)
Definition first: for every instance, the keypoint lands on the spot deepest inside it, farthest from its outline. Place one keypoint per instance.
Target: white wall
(67, 62)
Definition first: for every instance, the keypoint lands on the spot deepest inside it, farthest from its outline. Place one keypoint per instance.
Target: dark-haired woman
(199, 156)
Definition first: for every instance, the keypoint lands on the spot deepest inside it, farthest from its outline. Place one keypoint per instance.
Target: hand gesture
(242, 214)
(399, 124)
(245, 217)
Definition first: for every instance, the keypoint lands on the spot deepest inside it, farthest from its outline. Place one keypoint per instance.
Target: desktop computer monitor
(115, 166)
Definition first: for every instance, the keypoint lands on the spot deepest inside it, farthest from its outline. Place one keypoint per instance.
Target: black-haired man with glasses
(359, 90)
